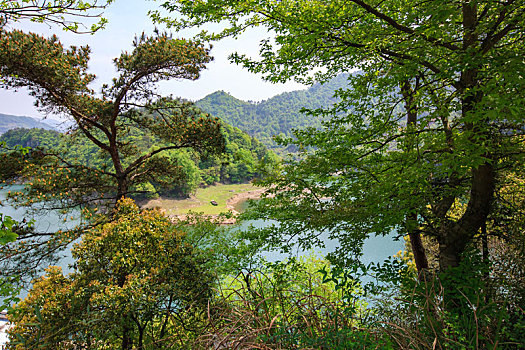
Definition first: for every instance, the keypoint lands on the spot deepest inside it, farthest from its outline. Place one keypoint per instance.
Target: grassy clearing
(200, 203)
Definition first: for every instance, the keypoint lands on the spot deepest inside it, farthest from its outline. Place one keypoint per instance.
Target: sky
(128, 18)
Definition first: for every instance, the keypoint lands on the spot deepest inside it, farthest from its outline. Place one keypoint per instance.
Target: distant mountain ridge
(8, 122)
(263, 120)
(277, 115)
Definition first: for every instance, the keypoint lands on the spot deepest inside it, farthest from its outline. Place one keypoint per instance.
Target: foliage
(242, 161)
(487, 289)
(58, 78)
(9, 289)
(279, 115)
(6, 230)
(288, 305)
(58, 12)
(415, 314)
(31, 138)
(137, 282)
(432, 119)
(62, 13)
(8, 284)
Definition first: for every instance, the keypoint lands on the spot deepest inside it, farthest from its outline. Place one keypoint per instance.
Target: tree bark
(127, 342)
(122, 186)
(416, 243)
(454, 236)
(420, 256)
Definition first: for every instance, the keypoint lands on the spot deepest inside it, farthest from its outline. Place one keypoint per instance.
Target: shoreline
(243, 196)
(229, 213)
(230, 206)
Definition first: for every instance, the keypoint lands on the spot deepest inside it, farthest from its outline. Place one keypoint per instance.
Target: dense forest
(279, 115)
(243, 160)
(425, 144)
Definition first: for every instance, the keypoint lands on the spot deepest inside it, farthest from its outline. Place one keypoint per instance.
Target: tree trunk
(416, 243)
(120, 174)
(420, 255)
(484, 244)
(454, 236)
(122, 186)
(127, 341)
(141, 338)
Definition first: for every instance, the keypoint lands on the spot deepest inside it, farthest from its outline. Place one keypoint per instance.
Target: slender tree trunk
(485, 257)
(122, 186)
(166, 318)
(127, 341)
(484, 243)
(418, 249)
(141, 338)
(420, 256)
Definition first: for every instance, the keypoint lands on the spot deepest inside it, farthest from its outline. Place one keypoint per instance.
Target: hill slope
(277, 115)
(8, 122)
(241, 162)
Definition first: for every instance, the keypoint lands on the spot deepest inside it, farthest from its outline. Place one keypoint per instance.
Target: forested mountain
(8, 122)
(262, 120)
(241, 163)
(277, 115)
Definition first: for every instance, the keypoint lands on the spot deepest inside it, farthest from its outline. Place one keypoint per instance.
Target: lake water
(49, 222)
(376, 249)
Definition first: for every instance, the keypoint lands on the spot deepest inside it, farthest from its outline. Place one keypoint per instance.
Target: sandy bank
(230, 206)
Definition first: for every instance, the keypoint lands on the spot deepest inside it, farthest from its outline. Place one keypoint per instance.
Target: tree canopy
(137, 282)
(429, 123)
(240, 162)
(58, 12)
(66, 14)
(58, 79)
(426, 142)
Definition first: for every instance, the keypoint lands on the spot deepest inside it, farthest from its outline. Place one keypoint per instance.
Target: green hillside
(8, 122)
(241, 162)
(262, 120)
(277, 115)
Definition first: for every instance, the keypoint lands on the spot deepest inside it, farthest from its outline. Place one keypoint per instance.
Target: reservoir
(376, 249)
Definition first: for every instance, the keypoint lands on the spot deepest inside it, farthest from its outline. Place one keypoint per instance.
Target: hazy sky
(128, 18)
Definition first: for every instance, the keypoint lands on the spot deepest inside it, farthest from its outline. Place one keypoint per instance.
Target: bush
(289, 305)
(458, 309)
(137, 282)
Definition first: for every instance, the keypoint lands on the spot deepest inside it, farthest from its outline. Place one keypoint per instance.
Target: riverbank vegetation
(426, 142)
(243, 159)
